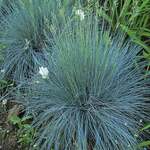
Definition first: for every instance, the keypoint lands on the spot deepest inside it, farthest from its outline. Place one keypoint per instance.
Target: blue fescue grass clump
(25, 32)
(93, 97)
(6, 7)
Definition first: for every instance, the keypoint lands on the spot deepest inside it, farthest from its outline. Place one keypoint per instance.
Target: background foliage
(132, 16)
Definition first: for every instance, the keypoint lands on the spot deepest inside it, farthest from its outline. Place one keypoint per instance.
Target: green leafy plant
(147, 142)
(6, 88)
(1, 54)
(3, 84)
(26, 132)
(3, 133)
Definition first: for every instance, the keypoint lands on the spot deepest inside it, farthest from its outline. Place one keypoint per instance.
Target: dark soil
(8, 132)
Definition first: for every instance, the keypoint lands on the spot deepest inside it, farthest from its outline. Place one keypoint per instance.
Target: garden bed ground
(9, 139)
(8, 132)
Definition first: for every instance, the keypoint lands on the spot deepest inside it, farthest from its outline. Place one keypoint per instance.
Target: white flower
(37, 82)
(34, 145)
(7, 131)
(2, 71)
(4, 102)
(141, 120)
(43, 71)
(80, 13)
(135, 135)
(11, 84)
(116, 141)
(27, 43)
(125, 124)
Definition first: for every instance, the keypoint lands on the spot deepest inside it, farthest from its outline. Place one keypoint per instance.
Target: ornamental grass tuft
(94, 95)
(25, 33)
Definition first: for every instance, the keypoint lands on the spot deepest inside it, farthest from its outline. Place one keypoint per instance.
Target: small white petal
(27, 43)
(125, 124)
(4, 102)
(37, 82)
(135, 135)
(116, 141)
(80, 13)
(34, 145)
(7, 131)
(43, 71)
(141, 120)
(2, 71)
(11, 84)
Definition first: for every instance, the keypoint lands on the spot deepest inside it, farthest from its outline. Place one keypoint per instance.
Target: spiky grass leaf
(94, 95)
(131, 15)
(23, 32)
